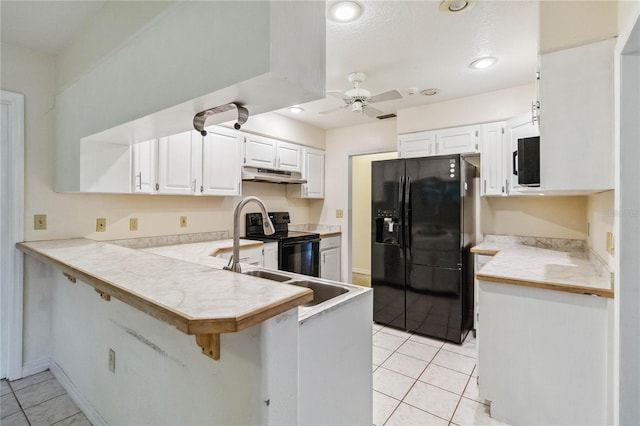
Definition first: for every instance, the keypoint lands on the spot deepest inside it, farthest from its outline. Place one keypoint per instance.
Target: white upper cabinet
(456, 140)
(221, 152)
(420, 144)
(259, 151)
(576, 118)
(492, 159)
(523, 126)
(177, 165)
(288, 157)
(270, 153)
(313, 172)
(145, 167)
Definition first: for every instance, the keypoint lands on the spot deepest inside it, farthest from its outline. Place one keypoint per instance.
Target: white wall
(600, 217)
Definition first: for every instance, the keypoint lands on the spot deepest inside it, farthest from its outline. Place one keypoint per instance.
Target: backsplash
(560, 244)
(168, 240)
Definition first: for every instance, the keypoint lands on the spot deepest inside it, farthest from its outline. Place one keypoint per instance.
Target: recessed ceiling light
(482, 63)
(457, 5)
(429, 92)
(410, 91)
(296, 109)
(345, 11)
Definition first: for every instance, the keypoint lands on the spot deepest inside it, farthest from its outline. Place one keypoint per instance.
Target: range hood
(256, 174)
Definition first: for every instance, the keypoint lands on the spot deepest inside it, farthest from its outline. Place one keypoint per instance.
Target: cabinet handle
(157, 187)
(485, 187)
(274, 162)
(507, 184)
(535, 108)
(139, 176)
(194, 185)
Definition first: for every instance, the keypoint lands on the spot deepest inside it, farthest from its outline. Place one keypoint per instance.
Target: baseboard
(36, 366)
(361, 271)
(76, 396)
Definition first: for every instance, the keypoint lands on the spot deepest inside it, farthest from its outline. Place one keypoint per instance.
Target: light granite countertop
(196, 296)
(555, 264)
(325, 231)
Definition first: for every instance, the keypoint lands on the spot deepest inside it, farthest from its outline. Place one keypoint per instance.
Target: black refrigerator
(423, 228)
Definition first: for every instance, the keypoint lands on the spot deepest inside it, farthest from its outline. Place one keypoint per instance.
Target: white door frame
(12, 231)
(348, 276)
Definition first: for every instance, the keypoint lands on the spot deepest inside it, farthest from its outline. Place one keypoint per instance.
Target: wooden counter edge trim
(569, 288)
(230, 248)
(490, 252)
(330, 234)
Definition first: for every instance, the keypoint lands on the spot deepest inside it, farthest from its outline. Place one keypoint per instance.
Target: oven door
(301, 257)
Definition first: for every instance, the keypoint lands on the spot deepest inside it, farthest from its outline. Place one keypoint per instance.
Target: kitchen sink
(268, 275)
(321, 292)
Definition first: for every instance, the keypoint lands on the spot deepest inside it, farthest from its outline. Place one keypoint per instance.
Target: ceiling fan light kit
(345, 11)
(360, 99)
(455, 6)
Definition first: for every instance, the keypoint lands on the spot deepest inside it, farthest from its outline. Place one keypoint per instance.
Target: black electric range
(298, 251)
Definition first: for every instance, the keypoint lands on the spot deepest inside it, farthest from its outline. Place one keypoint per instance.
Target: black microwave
(526, 161)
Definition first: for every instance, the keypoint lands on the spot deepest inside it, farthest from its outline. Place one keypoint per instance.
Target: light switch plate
(101, 224)
(133, 224)
(40, 221)
(183, 221)
(610, 242)
(339, 213)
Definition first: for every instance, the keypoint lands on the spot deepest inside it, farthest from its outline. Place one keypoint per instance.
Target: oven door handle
(296, 243)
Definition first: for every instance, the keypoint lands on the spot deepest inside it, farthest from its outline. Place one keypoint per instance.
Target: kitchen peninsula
(150, 373)
(544, 324)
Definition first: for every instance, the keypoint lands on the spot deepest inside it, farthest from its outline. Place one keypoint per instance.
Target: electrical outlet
(610, 243)
(339, 213)
(101, 224)
(112, 360)
(183, 221)
(39, 221)
(133, 224)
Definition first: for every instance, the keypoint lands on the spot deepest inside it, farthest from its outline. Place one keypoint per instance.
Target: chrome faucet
(267, 226)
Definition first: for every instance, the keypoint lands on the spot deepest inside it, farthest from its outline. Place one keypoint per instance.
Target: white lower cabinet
(270, 255)
(545, 356)
(330, 258)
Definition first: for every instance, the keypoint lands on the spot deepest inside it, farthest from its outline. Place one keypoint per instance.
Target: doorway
(11, 232)
(360, 217)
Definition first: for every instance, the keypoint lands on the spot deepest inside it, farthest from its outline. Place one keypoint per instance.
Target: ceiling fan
(359, 99)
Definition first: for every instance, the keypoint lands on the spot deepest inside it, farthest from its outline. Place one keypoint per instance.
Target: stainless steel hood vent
(255, 174)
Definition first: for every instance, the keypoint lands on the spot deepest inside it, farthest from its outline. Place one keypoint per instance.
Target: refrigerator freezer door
(433, 211)
(387, 251)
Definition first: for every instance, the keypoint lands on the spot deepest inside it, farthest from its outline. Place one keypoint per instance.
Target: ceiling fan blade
(371, 111)
(329, 111)
(386, 96)
(339, 94)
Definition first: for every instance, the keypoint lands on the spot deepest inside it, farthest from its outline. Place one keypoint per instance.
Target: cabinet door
(259, 151)
(330, 264)
(420, 144)
(145, 167)
(492, 159)
(519, 127)
(288, 157)
(576, 118)
(248, 256)
(221, 168)
(314, 173)
(177, 170)
(270, 255)
(457, 140)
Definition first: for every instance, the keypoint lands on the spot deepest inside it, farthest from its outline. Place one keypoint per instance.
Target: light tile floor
(423, 381)
(38, 400)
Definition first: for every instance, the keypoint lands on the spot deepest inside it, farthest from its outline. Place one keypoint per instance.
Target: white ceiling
(398, 44)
